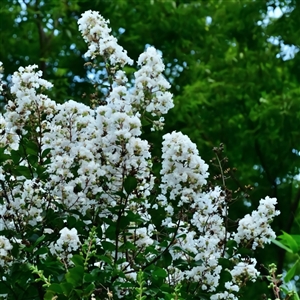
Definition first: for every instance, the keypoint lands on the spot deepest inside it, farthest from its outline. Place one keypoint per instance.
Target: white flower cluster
(150, 87)
(5, 247)
(99, 167)
(254, 230)
(96, 33)
(7, 138)
(28, 107)
(183, 171)
(87, 146)
(243, 272)
(202, 238)
(150, 90)
(67, 243)
(26, 201)
(142, 236)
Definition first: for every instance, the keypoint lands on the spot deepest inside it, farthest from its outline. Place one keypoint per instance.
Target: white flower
(150, 91)
(223, 295)
(231, 286)
(183, 171)
(48, 230)
(141, 236)
(254, 229)
(96, 33)
(67, 242)
(5, 247)
(244, 271)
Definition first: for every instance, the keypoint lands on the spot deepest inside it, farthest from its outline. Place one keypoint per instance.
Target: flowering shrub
(83, 213)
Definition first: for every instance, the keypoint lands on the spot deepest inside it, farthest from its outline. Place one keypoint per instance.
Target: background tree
(227, 60)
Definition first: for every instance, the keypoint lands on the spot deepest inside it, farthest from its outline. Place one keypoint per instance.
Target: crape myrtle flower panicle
(142, 236)
(254, 230)
(208, 204)
(75, 162)
(87, 145)
(7, 137)
(119, 100)
(244, 271)
(67, 243)
(193, 247)
(95, 31)
(123, 151)
(150, 87)
(5, 247)
(183, 171)
(184, 174)
(26, 203)
(28, 103)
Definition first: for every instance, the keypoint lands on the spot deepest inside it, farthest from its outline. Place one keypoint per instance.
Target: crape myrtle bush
(83, 214)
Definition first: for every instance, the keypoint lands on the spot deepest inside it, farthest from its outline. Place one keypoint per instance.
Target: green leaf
(3, 157)
(130, 184)
(127, 246)
(23, 171)
(32, 159)
(75, 276)
(61, 71)
(49, 295)
(69, 34)
(88, 277)
(124, 221)
(279, 244)
(296, 238)
(291, 272)
(39, 240)
(89, 289)
(33, 238)
(134, 217)
(55, 287)
(4, 287)
(159, 273)
(111, 232)
(31, 147)
(41, 251)
(72, 221)
(45, 152)
(66, 288)
(78, 260)
(145, 122)
(105, 259)
(289, 241)
(167, 259)
(41, 172)
(108, 246)
(15, 156)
